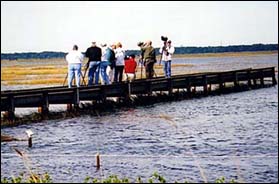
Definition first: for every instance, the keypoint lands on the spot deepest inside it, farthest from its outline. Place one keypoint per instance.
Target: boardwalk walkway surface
(43, 97)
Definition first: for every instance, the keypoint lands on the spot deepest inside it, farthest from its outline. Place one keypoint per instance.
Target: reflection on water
(234, 135)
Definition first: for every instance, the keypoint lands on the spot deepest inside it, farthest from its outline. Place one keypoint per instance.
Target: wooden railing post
(76, 98)
(11, 109)
(103, 94)
(170, 88)
(149, 89)
(188, 86)
(274, 82)
(221, 86)
(262, 78)
(44, 109)
(236, 82)
(128, 91)
(249, 78)
(205, 91)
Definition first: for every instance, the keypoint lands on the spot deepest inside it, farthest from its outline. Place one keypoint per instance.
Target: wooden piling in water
(69, 107)
(30, 142)
(44, 109)
(274, 82)
(170, 87)
(262, 78)
(76, 98)
(249, 78)
(11, 109)
(236, 82)
(188, 86)
(221, 86)
(205, 90)
(98, 161)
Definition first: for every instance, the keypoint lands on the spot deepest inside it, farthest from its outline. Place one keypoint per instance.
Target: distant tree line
(33, 55)
(178, 50)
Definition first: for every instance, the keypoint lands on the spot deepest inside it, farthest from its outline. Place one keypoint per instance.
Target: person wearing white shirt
(74, 59)
(105, 63)
(119, 55)
(167, 51)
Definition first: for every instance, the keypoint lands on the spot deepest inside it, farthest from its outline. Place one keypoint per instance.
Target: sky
(34, 26)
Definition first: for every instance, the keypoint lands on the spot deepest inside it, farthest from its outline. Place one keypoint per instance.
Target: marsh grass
(37, 81)
(154, 178)
(55, 75)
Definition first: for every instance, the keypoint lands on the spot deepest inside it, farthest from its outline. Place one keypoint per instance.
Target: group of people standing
(111, 61)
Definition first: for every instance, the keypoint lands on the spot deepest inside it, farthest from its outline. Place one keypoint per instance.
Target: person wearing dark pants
(119, 55)
(149, 58)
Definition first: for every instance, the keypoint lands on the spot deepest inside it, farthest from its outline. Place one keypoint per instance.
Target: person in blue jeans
(74, 59)
(94, 54)
(105, 63)
(167, 51)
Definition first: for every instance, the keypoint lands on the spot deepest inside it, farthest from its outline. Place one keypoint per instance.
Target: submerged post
(30, 142)
(29, 135)
(98, 162)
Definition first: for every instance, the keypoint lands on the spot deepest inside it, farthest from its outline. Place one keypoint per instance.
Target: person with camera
(167, 51)
(149, 58)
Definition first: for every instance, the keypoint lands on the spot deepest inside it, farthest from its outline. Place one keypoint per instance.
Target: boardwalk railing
(43, 97)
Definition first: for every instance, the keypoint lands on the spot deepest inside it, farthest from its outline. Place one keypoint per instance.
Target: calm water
(234, 135)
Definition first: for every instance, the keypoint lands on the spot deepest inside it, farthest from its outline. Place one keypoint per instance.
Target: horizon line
(154, 47)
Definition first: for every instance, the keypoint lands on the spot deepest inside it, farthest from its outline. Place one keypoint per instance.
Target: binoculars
(164, 38)
(140, 44)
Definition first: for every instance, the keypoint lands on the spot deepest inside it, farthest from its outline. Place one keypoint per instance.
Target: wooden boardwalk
(43, 97)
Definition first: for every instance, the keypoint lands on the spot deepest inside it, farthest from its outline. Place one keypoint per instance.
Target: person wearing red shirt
(130, 68)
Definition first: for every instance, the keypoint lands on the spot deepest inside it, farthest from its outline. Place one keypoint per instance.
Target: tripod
(141, 66)
(82, 76)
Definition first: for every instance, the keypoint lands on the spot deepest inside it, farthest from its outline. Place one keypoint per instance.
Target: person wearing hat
(94, 54)
(167, 51)
(149, 58)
